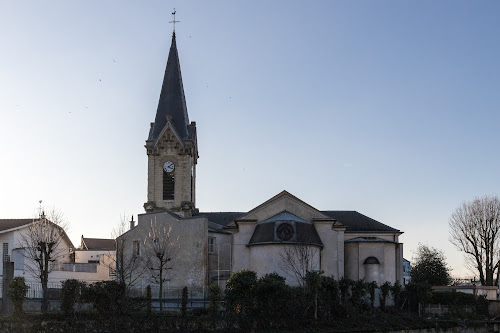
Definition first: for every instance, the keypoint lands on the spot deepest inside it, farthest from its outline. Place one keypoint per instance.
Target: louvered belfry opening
(168, 185)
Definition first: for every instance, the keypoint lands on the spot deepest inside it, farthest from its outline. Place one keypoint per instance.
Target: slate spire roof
(172, 103)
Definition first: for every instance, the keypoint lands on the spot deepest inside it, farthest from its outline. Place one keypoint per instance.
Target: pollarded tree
(42, 242)
(161, 248)
(430, 267)
(475, 230)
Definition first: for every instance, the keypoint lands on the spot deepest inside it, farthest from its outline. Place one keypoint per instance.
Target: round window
(285, 231)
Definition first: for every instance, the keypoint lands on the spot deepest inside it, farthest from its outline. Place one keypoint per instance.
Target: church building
(283, 234)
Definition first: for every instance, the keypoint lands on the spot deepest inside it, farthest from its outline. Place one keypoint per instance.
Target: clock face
(168, 166)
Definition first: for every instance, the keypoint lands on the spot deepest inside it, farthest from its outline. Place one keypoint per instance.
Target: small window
(18, 256)
(6, 256)
(211, 244)
(136, 250)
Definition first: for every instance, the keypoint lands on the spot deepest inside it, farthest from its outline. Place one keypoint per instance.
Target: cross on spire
(174, 21)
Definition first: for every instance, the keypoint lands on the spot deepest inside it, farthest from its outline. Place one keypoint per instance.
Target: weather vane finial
(174, 21)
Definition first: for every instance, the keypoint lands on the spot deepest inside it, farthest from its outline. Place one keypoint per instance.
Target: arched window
(168, 185)
(371, 269)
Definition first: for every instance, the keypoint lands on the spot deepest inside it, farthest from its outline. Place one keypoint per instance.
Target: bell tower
(171, 147)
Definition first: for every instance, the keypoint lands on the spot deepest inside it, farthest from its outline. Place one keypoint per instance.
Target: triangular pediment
(280, 203)
(284, 216)
(169, 134)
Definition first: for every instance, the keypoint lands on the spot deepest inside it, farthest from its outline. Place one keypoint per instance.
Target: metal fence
(168, 292)
(35, 290)
(172, 297)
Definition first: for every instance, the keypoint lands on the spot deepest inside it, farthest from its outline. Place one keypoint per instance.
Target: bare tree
(129, 269)
(475, 230)
(298, 259)
(43, 245)
(161, 249)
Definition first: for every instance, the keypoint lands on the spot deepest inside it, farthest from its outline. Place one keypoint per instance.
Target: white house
(13, 237)
(99, 254)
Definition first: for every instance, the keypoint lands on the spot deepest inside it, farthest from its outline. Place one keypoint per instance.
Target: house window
(6, 256)
(18, 256)
(211, 244)
(168, 185)
(136, 250)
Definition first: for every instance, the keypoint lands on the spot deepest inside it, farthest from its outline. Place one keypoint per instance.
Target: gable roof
(284, 216)
(98, 244)
(220, 218)
(290, 202)
(8, 224)
(357, 222)
(352, 220)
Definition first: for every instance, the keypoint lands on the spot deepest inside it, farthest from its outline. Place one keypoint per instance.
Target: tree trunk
(161, 289)
(45, 279)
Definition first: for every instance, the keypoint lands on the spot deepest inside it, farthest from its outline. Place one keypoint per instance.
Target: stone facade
(187, 250)
(183, 154)
(339, 243)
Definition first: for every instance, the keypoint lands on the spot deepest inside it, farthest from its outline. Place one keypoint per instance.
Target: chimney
(132, 223)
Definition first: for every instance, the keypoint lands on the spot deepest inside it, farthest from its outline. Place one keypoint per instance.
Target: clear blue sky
(390, 108)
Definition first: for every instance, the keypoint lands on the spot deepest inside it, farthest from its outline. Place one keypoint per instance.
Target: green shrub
(452, 298)
(71, 290)
(358, 291)
(482, 305)
(272, 296)
(416, 293)
(17, 293)
(396, 293)
(313, 285)
(344, 284)
(384, 292)
(107, 297)
(458, 301)
(215, 299)
(240, 297)
(371, 287)
(329, 300)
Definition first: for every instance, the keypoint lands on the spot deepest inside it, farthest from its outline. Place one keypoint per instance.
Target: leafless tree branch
(42, 247)
(475, 230)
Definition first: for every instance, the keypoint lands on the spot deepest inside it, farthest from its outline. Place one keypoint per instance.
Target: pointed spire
(172, 103)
